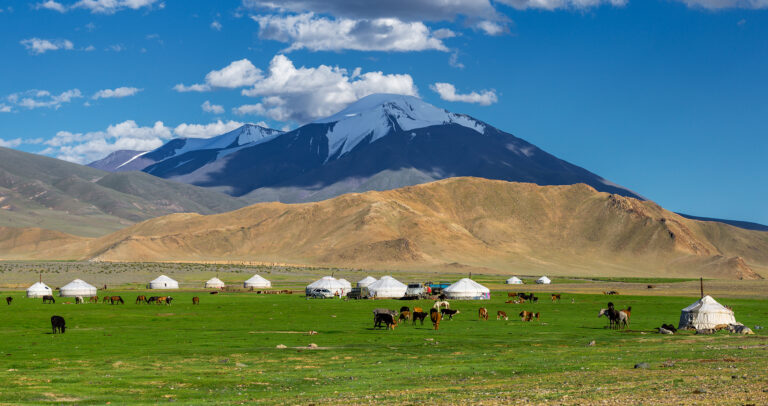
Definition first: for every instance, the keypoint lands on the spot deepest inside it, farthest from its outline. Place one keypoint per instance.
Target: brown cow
(556, 297)
(528, 316)
(483, 313)
(195, 300)
(511, 294)
(8, 300)
(501, 315)
(418, 309)
(405, 315)
(435, 316)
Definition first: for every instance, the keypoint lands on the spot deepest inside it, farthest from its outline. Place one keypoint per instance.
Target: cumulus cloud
(237, 74)
(206, 130)
(447, 92)
(246, 109)
(308, 31)
(11, 143)
(32, 99)
(560, 4)
(212, 108)
(4, 108)
(115, 93)
(491, 28)
(304, 94)
(39, 46)
(725, 4)
(100, 6)
(51, 5)
(216, 25)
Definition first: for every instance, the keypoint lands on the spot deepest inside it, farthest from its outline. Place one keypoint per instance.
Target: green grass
(224, 351)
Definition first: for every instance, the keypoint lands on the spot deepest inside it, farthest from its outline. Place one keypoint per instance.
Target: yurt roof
(163, 279)
(544, 279)
(706, 304)
(78, 283)
(514, 279)
(256, 278)
(368, 280)
(387, 282)
(39, 286)
(215, 280)
(328, 282)
(466, 285)
(345, 282)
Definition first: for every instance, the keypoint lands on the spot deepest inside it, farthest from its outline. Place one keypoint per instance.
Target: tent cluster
(390, 288)
(335, 286)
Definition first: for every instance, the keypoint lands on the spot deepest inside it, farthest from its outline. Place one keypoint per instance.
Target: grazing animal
(79, 300)
(405, 315)
(449, 313)
(141, 298)
(615, 317)
(168, 300)
(8, 300)
(195, 300)
(669, 327)
(385, 318)
(152, 299)
(501, 315)
(611, 292)
(48, 299)
(419, 316)
(58, 324)
(105, 300)
(418, 309)
(435, 316)
(379, 311)
(511, 294)
(214, 293)
(441, 303)
(482, 313)
(525, 315)
(556, 298)
(93, 299)
(534, 299)
(116, 300)
(651, 286)
(627, 312)
(405, 309)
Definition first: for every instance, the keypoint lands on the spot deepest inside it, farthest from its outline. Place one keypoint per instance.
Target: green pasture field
(225, 351)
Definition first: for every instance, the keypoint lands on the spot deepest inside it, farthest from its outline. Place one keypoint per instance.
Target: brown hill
(453, 224)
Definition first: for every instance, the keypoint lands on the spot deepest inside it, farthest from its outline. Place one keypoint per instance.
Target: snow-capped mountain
(380, 142)
(123, 160)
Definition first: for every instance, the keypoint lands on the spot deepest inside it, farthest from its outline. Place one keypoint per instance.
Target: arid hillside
(456, 224)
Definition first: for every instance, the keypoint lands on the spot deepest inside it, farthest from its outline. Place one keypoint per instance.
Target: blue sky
(666, 97)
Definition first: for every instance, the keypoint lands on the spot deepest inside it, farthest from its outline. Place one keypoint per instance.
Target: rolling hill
(458, 224)
(42, 192)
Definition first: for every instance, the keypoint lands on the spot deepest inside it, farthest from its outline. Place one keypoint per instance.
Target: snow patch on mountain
(130, 160)
(378, 114)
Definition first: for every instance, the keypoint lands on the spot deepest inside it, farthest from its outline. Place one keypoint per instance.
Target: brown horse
(105, 300)
(48, 299)
(556, 297)
(140, 299)
(195, 300)
(116, 300)
(93, 299)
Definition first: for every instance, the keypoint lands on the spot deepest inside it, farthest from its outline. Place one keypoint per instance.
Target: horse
(195, 300)
(141, 298)
(556, 298)
(93, 299)
(58, 324)
(614, 317)
(116, 300)
(48, 299)
(8, 300)
(105, 300)
(79, 300)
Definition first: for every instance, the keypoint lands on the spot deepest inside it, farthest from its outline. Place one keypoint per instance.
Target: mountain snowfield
(380, 142)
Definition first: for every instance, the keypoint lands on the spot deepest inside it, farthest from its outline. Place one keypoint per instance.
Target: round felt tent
(163, 282)
(39, 289)
(365, 282)
(257, 281)
(467, 289)
(215, 283)
(387, 287)
(705, 313)
(514, 281)
(77, 288)
(327, 282)
(543, 281)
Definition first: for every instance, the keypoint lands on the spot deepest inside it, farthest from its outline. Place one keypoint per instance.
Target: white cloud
(89, 48)
(236, 74)
(32, 99)
(447, 92)
(181, 88)
(113, 6)
(4, 108)
(724, 4)
(307, 31)
(491, 28)
(38, 46)
(248, 109)
(304, 94)
(560, 4)
(216, 25)
(206, 130)
(115, 48)
(454, 60)
(52, 5)
(212, 108)
(11, 143)
(116, 93)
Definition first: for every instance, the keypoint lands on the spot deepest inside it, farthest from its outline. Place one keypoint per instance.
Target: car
(415, 291)
(320, 294)
(359, 293)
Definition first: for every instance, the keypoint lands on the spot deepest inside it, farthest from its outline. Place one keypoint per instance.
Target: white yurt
(467, 289)
(39, 289)
(705, 313)
(77, 288)
(387, 287)
(257, 281)
(330, 283)
(163, 282)
(214, 283)
(514, 281)
(543, 281)
(365, 282)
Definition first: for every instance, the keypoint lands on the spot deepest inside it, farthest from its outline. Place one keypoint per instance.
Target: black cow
(449, 313)
(57, 323)
(419, 316)
(8, 300)
(386, 318)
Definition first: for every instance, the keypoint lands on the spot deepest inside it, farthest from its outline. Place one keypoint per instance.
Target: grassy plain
(225, 351)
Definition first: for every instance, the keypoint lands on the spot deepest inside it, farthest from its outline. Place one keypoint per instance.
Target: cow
(195, 300)
(385, 318)
(556, 298)
(435, 316)
(376, 312)
(449, 313)
(482, 313)
(48, 299)
(214, 293)
(140, 299)
(501, 315)
(405, 315)
(79, 300)
(405, 309)
(93, 299)
(528, 316)
(418, 309)
(611, 292)
(116, 300)
(534, 299)
(441, 303)
(8, 300)
(511, 294)
(58, 324)
(419, 316)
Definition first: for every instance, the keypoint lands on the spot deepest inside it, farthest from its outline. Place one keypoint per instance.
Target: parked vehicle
(359, 293)
(320, 294)
(437, 288)
(416, 291)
